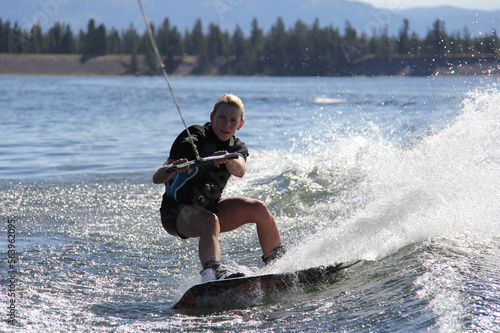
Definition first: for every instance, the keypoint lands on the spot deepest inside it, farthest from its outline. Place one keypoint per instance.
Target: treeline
(298, 50)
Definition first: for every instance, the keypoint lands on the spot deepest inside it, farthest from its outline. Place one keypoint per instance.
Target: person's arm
(161, 176)
(236, 167)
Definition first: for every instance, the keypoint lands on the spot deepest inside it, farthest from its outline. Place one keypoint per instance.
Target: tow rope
(199, 160)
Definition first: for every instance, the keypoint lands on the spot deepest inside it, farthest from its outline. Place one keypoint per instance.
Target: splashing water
(364, 179)
(442, 184)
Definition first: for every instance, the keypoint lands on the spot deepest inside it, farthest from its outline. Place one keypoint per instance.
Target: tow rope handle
(202, 161)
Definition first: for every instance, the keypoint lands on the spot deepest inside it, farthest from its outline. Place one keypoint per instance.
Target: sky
(407, 4)
(120, 13)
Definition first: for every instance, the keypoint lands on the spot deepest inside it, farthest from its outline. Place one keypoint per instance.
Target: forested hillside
(296, 50)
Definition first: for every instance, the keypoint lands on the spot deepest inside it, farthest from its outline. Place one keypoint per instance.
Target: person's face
(225, 121)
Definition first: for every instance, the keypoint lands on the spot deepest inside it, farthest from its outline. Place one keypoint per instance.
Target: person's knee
(260, 208)
(210, 225)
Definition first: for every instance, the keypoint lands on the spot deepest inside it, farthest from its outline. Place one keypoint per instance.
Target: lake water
(403, 173)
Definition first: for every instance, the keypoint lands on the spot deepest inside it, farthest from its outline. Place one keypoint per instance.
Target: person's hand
(218, 163)
(180, 161)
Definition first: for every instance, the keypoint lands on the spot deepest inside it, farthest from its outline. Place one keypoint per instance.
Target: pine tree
(467, 43)
(36, 39)
(130, 40)
(349, 45)
(239, 52)
(114, 42)
(316, 49)
(17, 39)
(256, 49)
(163, 37)
(3, 48)
(89, 47)
(100, 41)
(198, 41)
(404, 38)
(436, 39)
(67, 40)
(148, 51)
(276, 50)
(491, 44)
(215, 42)
(54, 39)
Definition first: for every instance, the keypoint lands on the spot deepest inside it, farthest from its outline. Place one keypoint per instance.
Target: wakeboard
(241, 291)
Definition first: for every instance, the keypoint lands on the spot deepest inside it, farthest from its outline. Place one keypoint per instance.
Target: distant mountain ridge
(229, 13)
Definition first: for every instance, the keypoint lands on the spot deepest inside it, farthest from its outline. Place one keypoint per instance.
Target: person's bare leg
(237, 211)
(234, 212)
(194, 222)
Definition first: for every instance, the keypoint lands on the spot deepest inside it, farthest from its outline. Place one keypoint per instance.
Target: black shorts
(169, 211)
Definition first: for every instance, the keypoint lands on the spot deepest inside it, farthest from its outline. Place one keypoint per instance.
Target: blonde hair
(231, 100)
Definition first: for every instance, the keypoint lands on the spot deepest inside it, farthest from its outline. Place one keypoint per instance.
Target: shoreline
(120, 65)
(65, 64)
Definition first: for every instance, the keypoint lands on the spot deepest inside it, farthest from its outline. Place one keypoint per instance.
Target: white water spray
(445, 184)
